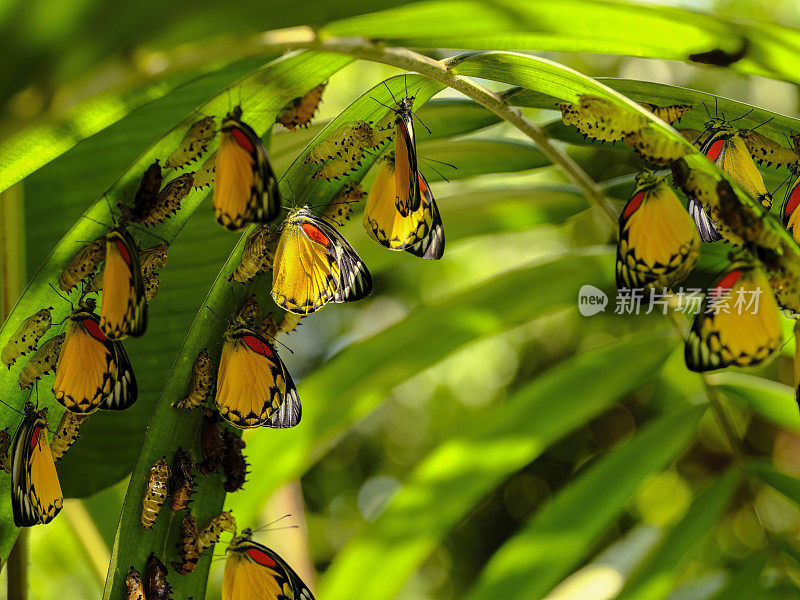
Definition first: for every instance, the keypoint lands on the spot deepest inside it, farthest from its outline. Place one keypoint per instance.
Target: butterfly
(123, 310)
(245, 188)
(253, 571)
(35, 490)
(407, 188)
(420, 232)
(93, 371)
(658, 242)
(789, 212)
(738, 324)
(315, 265)
(726, 148)
(254, 388)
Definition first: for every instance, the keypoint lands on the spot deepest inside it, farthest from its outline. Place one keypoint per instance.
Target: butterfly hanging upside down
(254, 571)
(36, 496)
(254, 388)
(315, 265)
(245, 189)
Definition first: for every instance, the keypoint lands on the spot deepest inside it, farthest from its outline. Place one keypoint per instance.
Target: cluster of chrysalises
(659, 239)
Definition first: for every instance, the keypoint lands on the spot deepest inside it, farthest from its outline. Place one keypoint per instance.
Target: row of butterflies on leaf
(659, 238)
(401, 214)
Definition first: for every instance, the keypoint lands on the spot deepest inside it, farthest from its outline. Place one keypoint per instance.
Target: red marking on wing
(316, 235)
(94, 329)
(715, 149)
(793, 201)
(35, 436)
(242, 139)
(123, 250)
(261, 557)
(422, 187)
(727, 282)
(258, 346)
(633, 205)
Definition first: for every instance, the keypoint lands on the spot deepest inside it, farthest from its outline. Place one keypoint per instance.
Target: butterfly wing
(790, 216)
(355, 281)
(245, 189)
(251, 380)
(289, 412)
(431, 247)
(253, 571)
(87, 366)
(734, 337)
(124, 306)
(658, 242)
(705, 226)
(35, 490)
(125, 390)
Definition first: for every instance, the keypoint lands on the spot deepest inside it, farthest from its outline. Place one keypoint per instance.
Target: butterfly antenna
(390, 93)
(405, 83)
(743, 116)
(60, 294)
(14, 408)
(384, 105)
(708, 113)
(760, 124)
(428, 129)
(785, 181)
(213, 312)
(88, 218)
(286, 516)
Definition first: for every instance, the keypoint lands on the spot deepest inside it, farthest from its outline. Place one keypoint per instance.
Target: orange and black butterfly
(408, 196)
(35, 490)
(658, 242)
(253, 571)
(93, 371)
(315, 265)
(245, 188)
(123, 311)
(739, 323)
(419, 232)
(254, 388)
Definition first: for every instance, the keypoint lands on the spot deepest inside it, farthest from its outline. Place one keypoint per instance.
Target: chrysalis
(257, 254)
(135, 585)
(209, 534)
(181, 482)
(205, 174)
(156, 586)
(27, 336)
(151, 260)
(211, 443)
(234, 464)
(169, 199)
(66, 434)
(193, 144)
(299, 111)
(83, 264)
(289, 322)
(339, 208)
(155, 493)
(343, 150)
(187, 546)
(201, 382)
(43, 361)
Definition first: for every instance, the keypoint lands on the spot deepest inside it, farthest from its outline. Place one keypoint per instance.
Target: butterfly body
(36, 496)
(245, 189)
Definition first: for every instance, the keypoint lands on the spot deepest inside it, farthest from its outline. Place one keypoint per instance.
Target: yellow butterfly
(315, 265)
(93, 371)
(658, 242)
(254, 388)
(35, 490)
(255, 572)
(419, 232)
(123, 310)
(245, 188)
(727, 149)
(738, 324)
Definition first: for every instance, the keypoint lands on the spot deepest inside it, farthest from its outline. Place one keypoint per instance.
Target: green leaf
(657, 575)
(559, 535)
(111, 441)
(743, 582)
(464, 469)
(171, 428)
(478, 157)
(786, 484)
(610, 27)
(771, 399)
